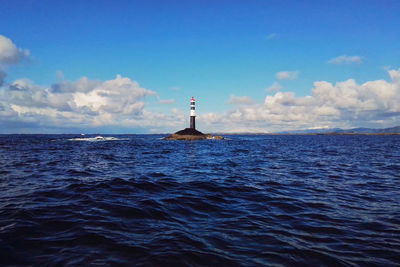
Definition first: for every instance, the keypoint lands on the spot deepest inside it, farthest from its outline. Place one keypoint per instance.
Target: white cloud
(240, 100)
(274, 87)
(82, 104)
(287, 75)
(346, 60)
(271, 36)
(344, 104)
(121, 102)
(282, 98)
(395, 75)
(9, 53)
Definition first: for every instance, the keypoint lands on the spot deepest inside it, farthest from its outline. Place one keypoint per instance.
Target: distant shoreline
(308, 133)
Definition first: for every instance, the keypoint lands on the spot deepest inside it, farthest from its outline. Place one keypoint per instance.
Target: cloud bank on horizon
(82, 104)
(120, 102)
(344, 104)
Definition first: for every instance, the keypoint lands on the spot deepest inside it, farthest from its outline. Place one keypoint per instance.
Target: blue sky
(227, 54)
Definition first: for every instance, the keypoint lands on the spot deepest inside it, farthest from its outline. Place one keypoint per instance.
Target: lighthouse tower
(192, 114)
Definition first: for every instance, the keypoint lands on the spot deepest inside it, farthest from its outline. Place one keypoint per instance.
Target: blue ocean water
(137, 200)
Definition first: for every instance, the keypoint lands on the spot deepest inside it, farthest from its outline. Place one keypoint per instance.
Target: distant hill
(386, 130)
(392, 130)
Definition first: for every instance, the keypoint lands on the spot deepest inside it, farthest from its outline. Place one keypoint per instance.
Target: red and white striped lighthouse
(192, 114)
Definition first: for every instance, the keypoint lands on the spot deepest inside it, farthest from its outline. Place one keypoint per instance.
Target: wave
(98, 139)
(252, 201)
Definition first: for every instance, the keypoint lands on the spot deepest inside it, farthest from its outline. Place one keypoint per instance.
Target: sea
(247, 200)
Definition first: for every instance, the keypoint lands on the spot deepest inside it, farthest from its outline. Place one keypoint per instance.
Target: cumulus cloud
(121, 102)
(274, 87)
(344, 104)
(395, 76)
(240, 100)
(287, 75)
(9, 53)
(81, 104)
(84, 103)
(346, 60)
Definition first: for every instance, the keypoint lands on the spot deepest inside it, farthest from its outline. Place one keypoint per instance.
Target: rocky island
(191, 133)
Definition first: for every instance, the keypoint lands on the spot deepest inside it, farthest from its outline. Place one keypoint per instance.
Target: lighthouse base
(192, 122)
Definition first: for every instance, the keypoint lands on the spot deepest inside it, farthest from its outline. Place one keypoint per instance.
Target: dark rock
(191, 134)
(185, 137)
(189, 131)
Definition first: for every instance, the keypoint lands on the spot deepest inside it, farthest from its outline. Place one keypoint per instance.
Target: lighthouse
(192, 114)
(191, 133)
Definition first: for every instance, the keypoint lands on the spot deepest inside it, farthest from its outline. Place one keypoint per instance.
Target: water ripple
(246, 201)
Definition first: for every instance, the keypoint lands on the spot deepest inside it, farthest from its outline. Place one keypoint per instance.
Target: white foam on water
(97, 139)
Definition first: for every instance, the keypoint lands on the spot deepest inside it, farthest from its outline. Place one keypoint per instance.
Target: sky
(252, 66)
